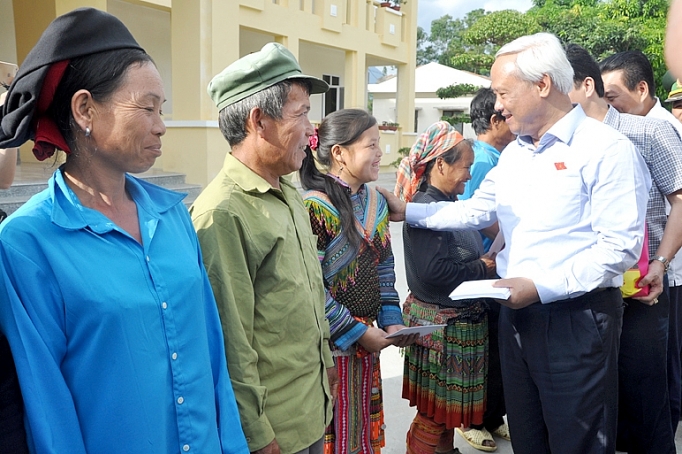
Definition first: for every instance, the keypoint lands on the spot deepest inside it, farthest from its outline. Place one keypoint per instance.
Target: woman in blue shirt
(103, 295)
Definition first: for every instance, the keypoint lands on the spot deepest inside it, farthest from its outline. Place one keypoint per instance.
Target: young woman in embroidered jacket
(350, 220)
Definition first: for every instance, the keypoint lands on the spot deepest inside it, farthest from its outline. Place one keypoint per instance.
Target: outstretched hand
(490, 265)
(396, 207)
(374, 340)
(401, 341)
(333, 377)
(523, 292)
(654, 279)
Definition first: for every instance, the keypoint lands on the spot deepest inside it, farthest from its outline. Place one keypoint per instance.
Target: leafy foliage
(402, 152)
(457, 120)
(495, 29)
(456, 90)
(603, 27)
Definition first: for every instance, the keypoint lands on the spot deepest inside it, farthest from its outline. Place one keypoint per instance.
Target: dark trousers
(12, 433)
(560, 372)
(643, 405)
(674, 352)
(494, 407)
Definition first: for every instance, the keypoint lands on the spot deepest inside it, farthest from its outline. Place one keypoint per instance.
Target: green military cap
(675, 92)
(258, 71)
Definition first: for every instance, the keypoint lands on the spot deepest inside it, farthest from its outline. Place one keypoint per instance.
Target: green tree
(603, 27)
(493, 30)
(446, 39)
(456, 90)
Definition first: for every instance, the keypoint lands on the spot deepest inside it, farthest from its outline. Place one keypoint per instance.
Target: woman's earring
(87, 132)
(340, 170)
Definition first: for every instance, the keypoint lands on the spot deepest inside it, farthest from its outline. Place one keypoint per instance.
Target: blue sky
(429, 10)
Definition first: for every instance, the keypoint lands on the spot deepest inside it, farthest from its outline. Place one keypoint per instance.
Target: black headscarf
(81, 32)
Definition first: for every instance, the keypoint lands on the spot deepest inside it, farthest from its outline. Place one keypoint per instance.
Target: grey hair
(232, 119)
(541, 54)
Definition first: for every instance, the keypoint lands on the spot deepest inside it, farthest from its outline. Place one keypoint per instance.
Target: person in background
(630, 88)
(445, 372)
(261, 257)
(570, 196)
(675, 98)
(103, 296)
(492, 135)
(350, 220)
(644, 338)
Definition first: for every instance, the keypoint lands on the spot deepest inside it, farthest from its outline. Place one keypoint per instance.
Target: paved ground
(398, 414)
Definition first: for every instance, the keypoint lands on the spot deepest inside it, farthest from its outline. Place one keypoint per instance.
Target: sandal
(503, 432)
(476, 438)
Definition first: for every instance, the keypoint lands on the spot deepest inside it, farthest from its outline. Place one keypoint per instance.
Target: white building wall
(429, 110)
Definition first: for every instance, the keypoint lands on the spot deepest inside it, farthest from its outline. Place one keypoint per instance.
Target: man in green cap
(261, 255)
(675, 97)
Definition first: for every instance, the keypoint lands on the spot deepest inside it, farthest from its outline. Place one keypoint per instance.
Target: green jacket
(261, 258)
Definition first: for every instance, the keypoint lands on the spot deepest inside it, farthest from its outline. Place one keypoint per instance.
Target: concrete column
(31, 18)
(406, 82)
(195, 58)
(355, 80)
(405, 98)
(204, 40)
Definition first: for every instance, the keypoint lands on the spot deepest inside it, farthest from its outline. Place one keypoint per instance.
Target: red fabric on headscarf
(47, 134)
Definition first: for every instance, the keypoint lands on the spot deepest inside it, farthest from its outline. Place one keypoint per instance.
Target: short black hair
(482, 109)
(584, 66)
(636, 67)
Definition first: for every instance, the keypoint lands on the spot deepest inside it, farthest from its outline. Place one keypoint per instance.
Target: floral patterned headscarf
(436, 140)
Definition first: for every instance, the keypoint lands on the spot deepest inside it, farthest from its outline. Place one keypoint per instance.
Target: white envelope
(421, 330)
(479, 289)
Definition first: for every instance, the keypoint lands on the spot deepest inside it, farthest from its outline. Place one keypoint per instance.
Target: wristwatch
(663, 260)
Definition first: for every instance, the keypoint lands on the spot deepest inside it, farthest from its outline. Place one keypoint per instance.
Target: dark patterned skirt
(358, 424)
(445, 372)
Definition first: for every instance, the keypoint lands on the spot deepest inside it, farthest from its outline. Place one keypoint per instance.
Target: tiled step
(23, 189)
(192, 191)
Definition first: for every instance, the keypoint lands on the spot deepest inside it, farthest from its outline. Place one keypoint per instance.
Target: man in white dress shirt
(643, 411)
(570, 197)
(629, 86)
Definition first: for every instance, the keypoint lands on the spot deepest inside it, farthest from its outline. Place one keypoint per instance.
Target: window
(452, 113)
(333, 99)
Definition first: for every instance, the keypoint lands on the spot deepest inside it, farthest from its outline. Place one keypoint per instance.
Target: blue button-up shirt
(571, 209)
(485, 158)
(118, 345)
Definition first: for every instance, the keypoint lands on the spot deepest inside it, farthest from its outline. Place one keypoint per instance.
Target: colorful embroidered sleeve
(345, 330)
(390, 313)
